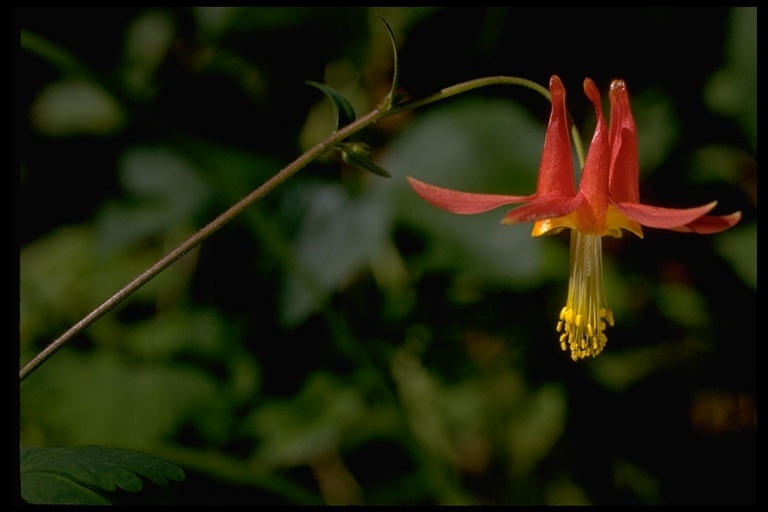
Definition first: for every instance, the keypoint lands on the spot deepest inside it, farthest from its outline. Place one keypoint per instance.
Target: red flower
(607, 201)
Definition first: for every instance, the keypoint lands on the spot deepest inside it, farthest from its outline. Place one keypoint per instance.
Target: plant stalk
(305, 158)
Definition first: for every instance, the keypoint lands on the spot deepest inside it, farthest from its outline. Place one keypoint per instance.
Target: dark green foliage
(358, 154)
(345, 114)
(85, 475)
(342, 341)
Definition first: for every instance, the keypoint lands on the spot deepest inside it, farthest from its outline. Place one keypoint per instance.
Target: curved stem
(288, 171)
(306, 157)
(468, 86)
(485, 82)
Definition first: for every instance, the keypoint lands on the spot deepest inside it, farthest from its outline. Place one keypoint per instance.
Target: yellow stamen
(584, 317)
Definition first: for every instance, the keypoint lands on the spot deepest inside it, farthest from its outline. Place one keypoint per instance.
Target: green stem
(468, 86)
(269, 185)
(485, 82)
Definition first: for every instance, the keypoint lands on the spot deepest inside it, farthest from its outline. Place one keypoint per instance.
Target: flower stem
(193, 241)
(485, 82)
(269, 185)
(468, 86)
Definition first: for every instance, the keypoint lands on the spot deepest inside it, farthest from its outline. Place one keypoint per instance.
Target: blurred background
(342, 342)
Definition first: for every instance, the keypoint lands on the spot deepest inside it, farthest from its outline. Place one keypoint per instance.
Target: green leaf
(358, 154)
(345, 114)
(82, 474)
(392, 98)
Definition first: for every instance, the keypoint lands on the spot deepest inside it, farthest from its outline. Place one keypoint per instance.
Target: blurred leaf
(483, 249)
(323, 33)
(657, 127)
(99, 397)
(419, 392)
(189, 331)
(232, 172)
(293, 432)
(203, 335)
(682, 304)
(739, 246)
(488, 146)
(81, 474)
(50, 270)
(718, 163)
(425, 403)
(148, 40)
(536, 426)
(75, 107)
(475, 145)
(234, 19)
(619, 370)
(637, 480)
(64, 61)
(335, 238)
(65, 273)
(562, 491)
(733, 90)
(165, 190)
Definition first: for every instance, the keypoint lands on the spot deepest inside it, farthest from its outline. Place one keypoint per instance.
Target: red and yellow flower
(606, 202)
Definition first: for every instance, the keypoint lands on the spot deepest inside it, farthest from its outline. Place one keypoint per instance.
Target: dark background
(420, 372)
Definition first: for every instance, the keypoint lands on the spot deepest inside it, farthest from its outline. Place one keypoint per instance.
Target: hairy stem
(485, 82)
(269, 185)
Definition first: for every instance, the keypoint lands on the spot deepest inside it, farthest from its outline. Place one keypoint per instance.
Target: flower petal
(556, 168)
(465, 203)
(625, 165)
(709, 224)
(548, 207)
(594, 176)
(664, 218)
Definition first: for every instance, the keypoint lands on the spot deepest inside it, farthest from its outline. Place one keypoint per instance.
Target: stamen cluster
(584, 317)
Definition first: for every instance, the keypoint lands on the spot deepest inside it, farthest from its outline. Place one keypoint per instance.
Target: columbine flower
(607, 201)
